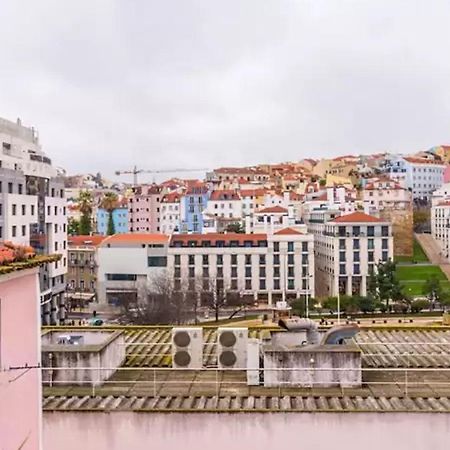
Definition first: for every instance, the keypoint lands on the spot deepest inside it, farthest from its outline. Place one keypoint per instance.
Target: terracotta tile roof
(224, 195)
(258, 192)
(136, 238)
(83, 240)
(273, 209)
(286, 231)
(414, 160)
(212, 238)
(357, 217)
(172, 197)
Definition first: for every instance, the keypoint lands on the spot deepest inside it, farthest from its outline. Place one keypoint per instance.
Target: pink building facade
(20, 377)
(144, 209)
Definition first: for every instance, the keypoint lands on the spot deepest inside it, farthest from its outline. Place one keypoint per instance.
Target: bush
(400, 308)
(419, 305)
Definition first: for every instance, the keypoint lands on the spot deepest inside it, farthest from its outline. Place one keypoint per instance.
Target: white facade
(383, 194)
(170, 211)
(130, 264)
(440, 226)
(33, 210)
(347, 249)
(262, 266)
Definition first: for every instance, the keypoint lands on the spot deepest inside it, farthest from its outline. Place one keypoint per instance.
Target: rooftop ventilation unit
(187, 348)
(232, 348)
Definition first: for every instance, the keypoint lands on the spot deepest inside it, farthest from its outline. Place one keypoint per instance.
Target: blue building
(120, 220)
(193, 203)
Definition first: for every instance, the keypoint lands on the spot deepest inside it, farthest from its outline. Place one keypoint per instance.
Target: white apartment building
(129, 265)
(264, 267)
(33, 210)
(170, 213)
(380, 194)
(347, 249)
(440, 225)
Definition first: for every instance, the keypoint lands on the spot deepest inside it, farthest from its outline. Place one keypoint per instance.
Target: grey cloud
(207, 83)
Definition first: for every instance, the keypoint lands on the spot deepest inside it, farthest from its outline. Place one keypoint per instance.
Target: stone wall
(402, 230)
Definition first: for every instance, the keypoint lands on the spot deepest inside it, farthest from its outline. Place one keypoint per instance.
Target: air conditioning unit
(232, 348)
(187, 348)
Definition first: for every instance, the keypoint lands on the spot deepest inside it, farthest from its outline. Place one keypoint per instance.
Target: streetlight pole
(338, 306)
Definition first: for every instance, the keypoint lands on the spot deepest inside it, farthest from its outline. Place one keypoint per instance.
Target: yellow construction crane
(135, 171)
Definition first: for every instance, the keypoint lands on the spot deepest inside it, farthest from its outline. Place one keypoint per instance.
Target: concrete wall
(323, 431)
(20, 389)
(315, 361)
(82, 362)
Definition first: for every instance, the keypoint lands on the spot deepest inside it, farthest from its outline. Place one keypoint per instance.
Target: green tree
(235, 227)
(85, 205)
(419, 305)
(109, 204)
(421, 218)
(383, 285)
(73, 227)
(432, 289)
(366, 304)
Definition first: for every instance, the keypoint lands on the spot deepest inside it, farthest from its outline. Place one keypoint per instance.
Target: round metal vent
(182, 358)
(227, 358)
(182, 339)
(227, 339)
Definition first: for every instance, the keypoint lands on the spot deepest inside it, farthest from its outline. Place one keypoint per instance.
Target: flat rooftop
(404, 369)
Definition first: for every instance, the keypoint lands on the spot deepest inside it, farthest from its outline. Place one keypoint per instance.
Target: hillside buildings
(33, 210)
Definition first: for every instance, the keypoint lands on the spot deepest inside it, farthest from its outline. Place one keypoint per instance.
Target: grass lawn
(413, 278)
(418, 255)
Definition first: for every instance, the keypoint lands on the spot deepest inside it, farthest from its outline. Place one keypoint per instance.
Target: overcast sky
(206, 83)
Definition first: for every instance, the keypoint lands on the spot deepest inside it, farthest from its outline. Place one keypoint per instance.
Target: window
(384, 256)
(14, 210)
(157, 261)
(356, 269)
(291, 271)
(14, 231)
(356, 244)
(370, 231)
(276, 259)
(341, 231)
(262, 271)
(262, 284)
(121, 277)
(370, 244)
(290, 246)
(191, 272)
(248, 284)
(342, 244)
(248, 271)
(24, 230)
(220, 272)
(356, 231)
(276, 284)
(342, 256)
(342, 269)
(234, 259)
(384, 244)
(10, 188)
(191, 260)
(248, 259)
(385, 230)
(276, 246)
(177, 260)
(290, 259)
(305, 259)
(219, 260)
(290, 284)
(370, 257)
(234, 285)
(234, 272)
(356, 256)
(276, 272)
(205, 260)
(24, 210)
(304, 246)
(205, 272)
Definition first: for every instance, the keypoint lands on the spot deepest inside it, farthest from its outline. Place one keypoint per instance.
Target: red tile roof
(414, 160)
(224, 195)
(184, 239)
(357, 217)
(83, 240)
(273, 209)
(136, 238)
(257, 192)
(172, 197)
(286, 231)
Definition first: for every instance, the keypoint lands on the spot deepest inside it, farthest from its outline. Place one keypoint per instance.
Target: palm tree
(109, 203)
(85, 206)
